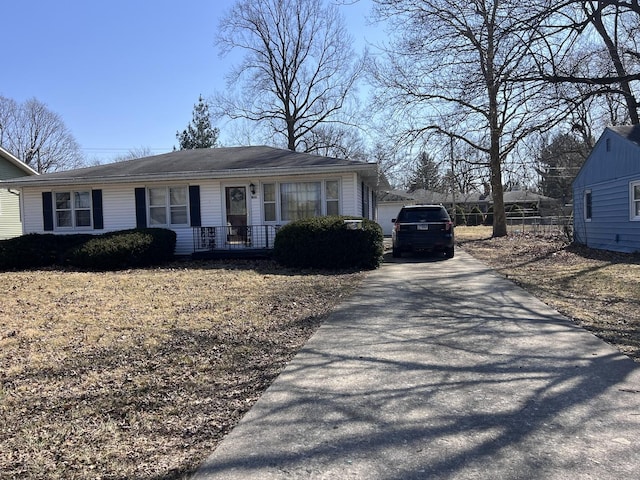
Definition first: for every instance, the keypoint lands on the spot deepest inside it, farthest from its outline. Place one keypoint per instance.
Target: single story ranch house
(214, 199)
(606, 193)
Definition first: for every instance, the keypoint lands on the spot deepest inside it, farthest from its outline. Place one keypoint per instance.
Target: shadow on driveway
(442, 373)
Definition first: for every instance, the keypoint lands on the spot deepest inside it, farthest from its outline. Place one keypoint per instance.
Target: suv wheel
(395, 252)
(449, 252)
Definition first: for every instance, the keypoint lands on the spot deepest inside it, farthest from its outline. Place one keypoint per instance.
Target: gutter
(190, 175)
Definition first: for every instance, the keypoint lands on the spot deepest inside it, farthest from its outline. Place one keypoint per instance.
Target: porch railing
(209, 239)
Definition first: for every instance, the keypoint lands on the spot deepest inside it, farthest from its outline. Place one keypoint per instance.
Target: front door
(236, 210)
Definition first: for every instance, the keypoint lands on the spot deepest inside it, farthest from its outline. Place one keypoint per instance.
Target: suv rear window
(419, 215)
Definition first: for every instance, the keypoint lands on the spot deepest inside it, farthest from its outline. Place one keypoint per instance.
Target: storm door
(236, 210)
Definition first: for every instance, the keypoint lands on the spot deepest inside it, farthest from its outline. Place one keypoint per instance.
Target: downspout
(21, 208)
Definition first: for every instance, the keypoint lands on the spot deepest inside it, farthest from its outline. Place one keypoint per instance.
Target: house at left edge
(11, 167)
(214, 199)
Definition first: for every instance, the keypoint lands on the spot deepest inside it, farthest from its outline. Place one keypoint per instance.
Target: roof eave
(163, 177)
(11, 158)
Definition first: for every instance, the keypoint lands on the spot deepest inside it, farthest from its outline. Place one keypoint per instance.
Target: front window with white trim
(168, 206)
(300, 200)
(269, 201)
(332, 197)
(289, 201)
(634, 196)
(73, 209)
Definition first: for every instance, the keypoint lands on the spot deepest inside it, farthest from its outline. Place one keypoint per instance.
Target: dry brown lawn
(140, 373)
(597, 289)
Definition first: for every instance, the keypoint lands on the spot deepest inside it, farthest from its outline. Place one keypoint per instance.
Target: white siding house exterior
(606, 193)
(11, 167)
(389, 205)
(212, 198)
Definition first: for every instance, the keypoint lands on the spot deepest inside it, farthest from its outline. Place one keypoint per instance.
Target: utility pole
(453, 179)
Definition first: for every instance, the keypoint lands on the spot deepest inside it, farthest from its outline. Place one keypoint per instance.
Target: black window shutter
(47, 210)
(141, 208)
(96, 197)
(194, 205)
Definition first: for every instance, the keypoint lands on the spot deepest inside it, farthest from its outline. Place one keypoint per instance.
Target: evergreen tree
(425, 175)
(559, 163)
(199, 133)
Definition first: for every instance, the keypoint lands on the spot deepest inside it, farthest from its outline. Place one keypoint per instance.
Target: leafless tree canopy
(593, 46)
(298, 66)
(37, 136)
(449, 71)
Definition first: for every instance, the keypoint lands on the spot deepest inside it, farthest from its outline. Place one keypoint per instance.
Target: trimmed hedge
(328, 243)
(124, 249)
(114, 250)
(37, 250)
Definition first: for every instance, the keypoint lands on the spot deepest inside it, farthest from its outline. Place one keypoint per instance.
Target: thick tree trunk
(291, 135)
(499, 216)
(495, 165)
(630, 100)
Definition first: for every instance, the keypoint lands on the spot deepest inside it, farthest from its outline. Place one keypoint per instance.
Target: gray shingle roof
(209, 162)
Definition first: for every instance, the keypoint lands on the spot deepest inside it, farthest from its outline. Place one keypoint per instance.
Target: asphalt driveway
(442, 370)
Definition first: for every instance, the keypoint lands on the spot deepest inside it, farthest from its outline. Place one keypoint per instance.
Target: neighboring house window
(168, 206)
(587, 205)
(332, 197)
(269, 201)
(634, 195)
(72, 209)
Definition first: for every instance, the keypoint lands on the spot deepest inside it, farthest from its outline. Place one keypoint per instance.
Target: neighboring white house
(389, 204)
(523, 202)
(11, 167)
(606, 193)
(216, 198)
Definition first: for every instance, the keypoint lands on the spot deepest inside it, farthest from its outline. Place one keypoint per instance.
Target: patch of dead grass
(138, 374)
(598, 290)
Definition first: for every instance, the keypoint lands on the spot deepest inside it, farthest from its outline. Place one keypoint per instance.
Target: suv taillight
(448, 226)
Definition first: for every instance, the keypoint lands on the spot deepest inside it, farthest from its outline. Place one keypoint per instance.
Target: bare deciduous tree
(298, 67)
(133, 153)
(37, 136)
(335, 141)
(594, 46)
(456, 61)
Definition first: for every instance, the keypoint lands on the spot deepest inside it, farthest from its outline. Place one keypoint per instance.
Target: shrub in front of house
(124, 249)
(329, 242)
(36, 250)
(130, 248)
(28, 251)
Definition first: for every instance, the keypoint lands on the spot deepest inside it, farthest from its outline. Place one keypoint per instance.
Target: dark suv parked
(423, 228)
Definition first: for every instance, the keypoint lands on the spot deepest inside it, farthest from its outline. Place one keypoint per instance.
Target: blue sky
(122, 74)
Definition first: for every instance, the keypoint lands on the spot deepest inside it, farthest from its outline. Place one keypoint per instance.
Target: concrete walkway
(442, 370)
